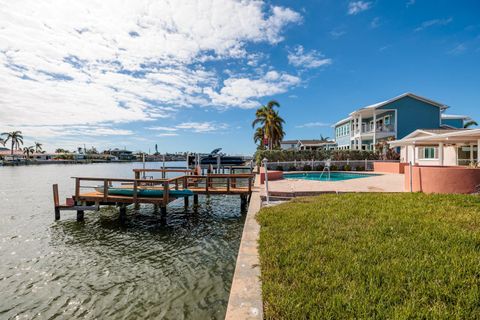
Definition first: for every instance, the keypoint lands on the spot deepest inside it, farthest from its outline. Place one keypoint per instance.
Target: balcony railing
(367, 128)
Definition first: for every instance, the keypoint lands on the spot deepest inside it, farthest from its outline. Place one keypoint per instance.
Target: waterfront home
(440, 147)
(122, 154)
(393, 119)
(307, 145)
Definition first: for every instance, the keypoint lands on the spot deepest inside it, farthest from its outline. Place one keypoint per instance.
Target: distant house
(307, 145)
(391, 120)
(122, 154)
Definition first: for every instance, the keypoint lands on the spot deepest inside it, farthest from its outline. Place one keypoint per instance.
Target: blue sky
(187, 75)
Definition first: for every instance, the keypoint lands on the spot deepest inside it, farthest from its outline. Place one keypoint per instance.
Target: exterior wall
(389, 167)
(414, 114)
(442, 179)
(272, 175)
(456, 123)
(288, 146)
(343, 140)
(449, 157)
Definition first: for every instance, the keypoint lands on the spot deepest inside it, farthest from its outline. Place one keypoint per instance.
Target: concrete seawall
(245, 301)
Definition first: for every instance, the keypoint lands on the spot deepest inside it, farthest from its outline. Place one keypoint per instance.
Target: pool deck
(388, 182)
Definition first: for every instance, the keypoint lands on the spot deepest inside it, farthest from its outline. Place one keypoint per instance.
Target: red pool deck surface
(376, 183)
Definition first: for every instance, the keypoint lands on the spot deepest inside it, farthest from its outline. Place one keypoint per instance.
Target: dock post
(163, 210)
(123, 213)
(243, 200)
(80, 215)
(195, 199)
(56, 202)
(185, 201)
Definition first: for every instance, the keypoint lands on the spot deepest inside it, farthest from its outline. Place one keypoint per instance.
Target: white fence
(318, 165)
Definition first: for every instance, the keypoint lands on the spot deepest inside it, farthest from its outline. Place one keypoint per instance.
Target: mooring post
(80, 215)
(123, 213)
(195, 199)
(56, 202)
(243, 200)
(185, 202)
(163, 210)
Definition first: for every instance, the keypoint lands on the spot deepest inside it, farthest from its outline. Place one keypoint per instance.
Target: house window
(387, 120)
(429, 153)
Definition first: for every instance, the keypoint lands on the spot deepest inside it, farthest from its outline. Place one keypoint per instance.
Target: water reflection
(178, 266)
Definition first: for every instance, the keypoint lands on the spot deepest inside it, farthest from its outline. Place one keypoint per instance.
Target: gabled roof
(341, 121)
(315, 142)
(288, 141)
(407, 94)
(445, 135)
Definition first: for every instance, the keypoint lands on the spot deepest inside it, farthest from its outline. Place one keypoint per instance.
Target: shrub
(307, 167)
(279, 168)
(360, 168)
(333, 167)
(319, 167)
(292, 168)
(347, 167)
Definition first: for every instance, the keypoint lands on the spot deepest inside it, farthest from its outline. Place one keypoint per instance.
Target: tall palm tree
(38, 147)
(28, 151)
(271, 124)
(470, 124)
(16, 139)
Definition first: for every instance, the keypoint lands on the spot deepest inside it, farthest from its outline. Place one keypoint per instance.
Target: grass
(372, 256)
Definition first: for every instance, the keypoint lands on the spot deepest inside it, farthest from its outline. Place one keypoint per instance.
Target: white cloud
(101, 62)
(410, 3)
(244, 92)
(432, 23)
(458, 49)
(312, 59)
(313, 125)
(202, 127)
(375, 23)
(337, 33)
(355, 7)
(198, 127)
(168, 134)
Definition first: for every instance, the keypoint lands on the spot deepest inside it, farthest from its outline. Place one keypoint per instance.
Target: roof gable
(407, 94)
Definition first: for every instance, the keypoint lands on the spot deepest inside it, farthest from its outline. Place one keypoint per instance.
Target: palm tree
(470, 124)
(258, 136)
(271, 124)
(28, 151)
(38, 147)
(324, 139)
(15, 137)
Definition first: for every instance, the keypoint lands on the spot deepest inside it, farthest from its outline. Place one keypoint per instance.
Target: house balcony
(367, 131)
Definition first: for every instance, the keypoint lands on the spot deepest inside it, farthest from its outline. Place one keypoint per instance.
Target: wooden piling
(80, 215)
(195, 199)
(185, 201)
(56, 202)
(123, 213)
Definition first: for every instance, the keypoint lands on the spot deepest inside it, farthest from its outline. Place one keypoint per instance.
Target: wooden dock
(98, 195)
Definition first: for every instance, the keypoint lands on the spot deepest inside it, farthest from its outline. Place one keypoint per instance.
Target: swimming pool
(334, 176)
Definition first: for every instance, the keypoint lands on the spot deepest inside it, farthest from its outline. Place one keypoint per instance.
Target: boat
(213, 159)
(145, 193)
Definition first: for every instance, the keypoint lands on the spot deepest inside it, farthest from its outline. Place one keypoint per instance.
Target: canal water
(179, 267)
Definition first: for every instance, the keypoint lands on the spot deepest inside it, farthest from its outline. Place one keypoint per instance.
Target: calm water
(179, 267)
(334, 176)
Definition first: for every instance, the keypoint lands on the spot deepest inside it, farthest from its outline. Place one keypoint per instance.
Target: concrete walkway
(376, 183)
(245, 301)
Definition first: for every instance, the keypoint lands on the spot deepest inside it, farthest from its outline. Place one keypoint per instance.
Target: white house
(440, 147)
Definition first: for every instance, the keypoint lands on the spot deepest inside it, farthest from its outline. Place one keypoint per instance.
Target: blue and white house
(393, 119)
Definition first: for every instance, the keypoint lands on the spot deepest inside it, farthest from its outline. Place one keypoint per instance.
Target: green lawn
(372, 256)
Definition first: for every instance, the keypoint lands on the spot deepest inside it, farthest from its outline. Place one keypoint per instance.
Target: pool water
(334, 176)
